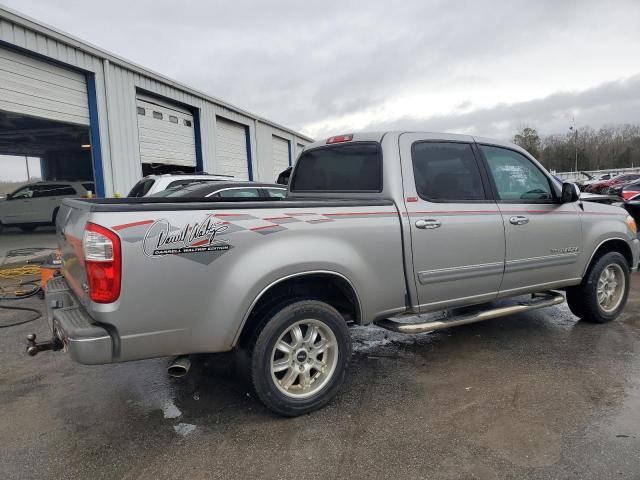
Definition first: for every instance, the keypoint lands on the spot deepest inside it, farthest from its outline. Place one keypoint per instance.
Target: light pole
(575, 131)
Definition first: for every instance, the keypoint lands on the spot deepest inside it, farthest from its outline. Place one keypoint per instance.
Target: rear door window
(237, 193)
(355, 167)
(40, 191)
(276, 192)
(64, 190)
(446, 172)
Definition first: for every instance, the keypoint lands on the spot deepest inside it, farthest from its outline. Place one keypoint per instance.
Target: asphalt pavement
(41, 239)
(537, 395)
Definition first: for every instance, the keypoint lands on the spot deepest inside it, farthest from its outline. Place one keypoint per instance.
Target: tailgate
(70, 225)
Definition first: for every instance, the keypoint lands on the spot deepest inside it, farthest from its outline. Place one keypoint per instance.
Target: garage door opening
(45, 146)
(166, 135)
(41, 162)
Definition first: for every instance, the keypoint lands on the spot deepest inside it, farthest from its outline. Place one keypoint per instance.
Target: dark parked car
(226, 190)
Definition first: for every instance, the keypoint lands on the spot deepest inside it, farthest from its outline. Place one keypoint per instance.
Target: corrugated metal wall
(116, 88)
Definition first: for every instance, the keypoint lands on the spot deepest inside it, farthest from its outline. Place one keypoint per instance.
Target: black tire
(27, 228)
(262, 349)
(54, 216)
(583, 299)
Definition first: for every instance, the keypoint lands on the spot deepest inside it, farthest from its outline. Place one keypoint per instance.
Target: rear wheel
(299, 357)
(603, 293)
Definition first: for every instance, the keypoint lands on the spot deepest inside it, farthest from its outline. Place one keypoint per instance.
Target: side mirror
(570, 193)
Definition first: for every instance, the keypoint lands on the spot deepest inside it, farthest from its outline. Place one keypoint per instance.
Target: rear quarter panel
(195, 302)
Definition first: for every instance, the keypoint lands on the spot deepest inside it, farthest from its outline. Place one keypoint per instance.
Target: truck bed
(191, 268)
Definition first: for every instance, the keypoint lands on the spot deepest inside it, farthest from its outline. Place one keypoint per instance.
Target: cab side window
(517, 179)
(446, 172)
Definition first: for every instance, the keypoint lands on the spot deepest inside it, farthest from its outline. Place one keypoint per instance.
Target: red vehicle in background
(631, 196)
(604, 186)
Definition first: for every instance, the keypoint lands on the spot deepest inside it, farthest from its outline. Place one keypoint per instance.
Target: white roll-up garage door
(165, 132)
(231, 149)
(279, 155)
(40, 89)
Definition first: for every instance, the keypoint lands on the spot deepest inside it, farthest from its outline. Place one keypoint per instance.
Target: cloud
(610, 102)
(324, 67)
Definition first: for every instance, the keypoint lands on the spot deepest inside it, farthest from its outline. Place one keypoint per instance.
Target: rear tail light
(103, 260)
(630, 194)
(340, 139)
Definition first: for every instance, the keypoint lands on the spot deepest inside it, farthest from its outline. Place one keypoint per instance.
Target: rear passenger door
(543, 236)
(457, 233)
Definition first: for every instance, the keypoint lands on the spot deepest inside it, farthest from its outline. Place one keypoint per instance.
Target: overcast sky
(325, 68)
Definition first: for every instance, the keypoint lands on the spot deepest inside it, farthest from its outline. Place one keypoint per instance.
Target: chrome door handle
(519, 220)
(428, 223)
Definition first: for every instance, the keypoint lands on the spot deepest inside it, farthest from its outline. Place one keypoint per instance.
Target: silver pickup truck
(376, 228)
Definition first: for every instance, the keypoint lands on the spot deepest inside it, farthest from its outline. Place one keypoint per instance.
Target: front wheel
(603, 293)
(299, 357)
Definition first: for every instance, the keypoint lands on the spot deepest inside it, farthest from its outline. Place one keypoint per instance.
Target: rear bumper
(86, 341)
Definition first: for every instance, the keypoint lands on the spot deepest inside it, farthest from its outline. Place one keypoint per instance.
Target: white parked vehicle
(37, 204)
(157, 183)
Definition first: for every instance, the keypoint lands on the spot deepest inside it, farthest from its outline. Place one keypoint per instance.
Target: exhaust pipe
(179, 366)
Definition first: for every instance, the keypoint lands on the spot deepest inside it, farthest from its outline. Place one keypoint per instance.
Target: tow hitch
(34, 348)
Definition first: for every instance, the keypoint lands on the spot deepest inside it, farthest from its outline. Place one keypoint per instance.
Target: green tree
(529, 139)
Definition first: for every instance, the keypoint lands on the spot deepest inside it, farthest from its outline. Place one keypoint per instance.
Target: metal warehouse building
(82, 113)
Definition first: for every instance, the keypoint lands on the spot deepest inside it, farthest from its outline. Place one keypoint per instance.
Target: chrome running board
(538, 300)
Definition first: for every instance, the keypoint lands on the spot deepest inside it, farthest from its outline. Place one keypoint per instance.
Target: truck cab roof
(377, 136)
